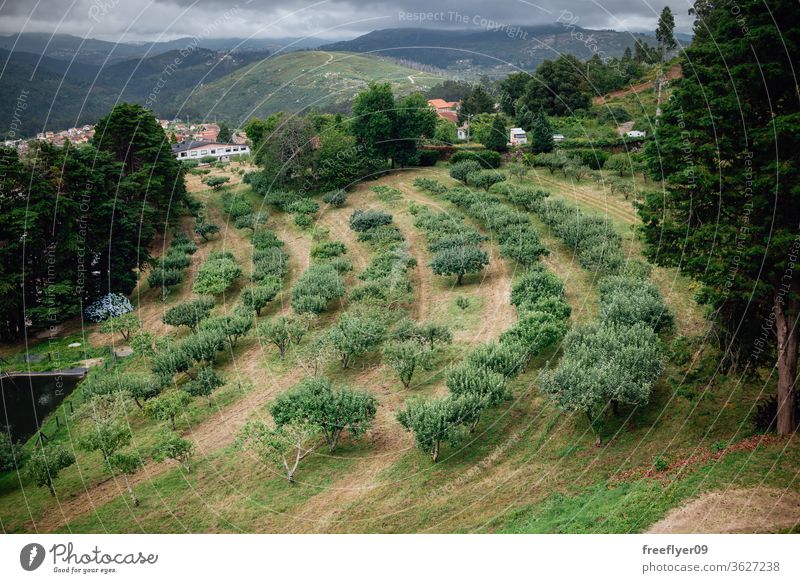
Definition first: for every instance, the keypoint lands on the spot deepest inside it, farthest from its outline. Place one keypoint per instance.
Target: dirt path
(674, 73)
(746, 510)
(494, 287)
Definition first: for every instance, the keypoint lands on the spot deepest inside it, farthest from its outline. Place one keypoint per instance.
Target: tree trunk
(459, 278)
(435, 452)
(138, 404)
(786, 332)
(50, 487)
(134, 499)
(172, 418)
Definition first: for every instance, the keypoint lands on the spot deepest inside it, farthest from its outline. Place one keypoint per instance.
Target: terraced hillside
(527, 467)
(300, 81)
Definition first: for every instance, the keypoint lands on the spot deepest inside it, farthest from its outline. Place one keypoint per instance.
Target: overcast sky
(151, 20)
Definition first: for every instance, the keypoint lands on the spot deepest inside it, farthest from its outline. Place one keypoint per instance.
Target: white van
(518, 137)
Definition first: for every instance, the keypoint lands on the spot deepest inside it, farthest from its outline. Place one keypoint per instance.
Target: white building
(517, 137)
(635, 134)
(195, 150)
(558, 137)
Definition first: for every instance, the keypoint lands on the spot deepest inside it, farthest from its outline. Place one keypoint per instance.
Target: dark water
(27, 400)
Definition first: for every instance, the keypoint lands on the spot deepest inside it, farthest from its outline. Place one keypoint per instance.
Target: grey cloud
(334, 19)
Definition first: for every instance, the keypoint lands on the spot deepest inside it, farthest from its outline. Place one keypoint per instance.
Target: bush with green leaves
(534, 285)
(282, 332)
(257, 296)
(189, 313)
(461, 170)
(303, 206)
(168, 406)
(217, 274)
(335, 198)
(284, 446)
(206, 382)
(430, 185)
(467, 237)
(605, 365)
(171, 446)
(203, 345)
(233, 326)
(320, 284)
(316, 401)
(459, 261)
(328, 250)
(363, 220)
(265, 239)
(485, 179)
(235, 205)
(168, 362)
(11, 454)
(205, 229)
(217, 182)
(441, 420)
(488, 386)
(521, 196)
(174, 259)
(619, 163)
(269, 263)
(630, 300)
(137, 386)
(124, 324)
(406, 358)
(251, 221)
(352, 336)
(523, 246)
(381, 237)
(46, 463)
(506, 359)
(486, 158)
(163, 279)
(535, 332)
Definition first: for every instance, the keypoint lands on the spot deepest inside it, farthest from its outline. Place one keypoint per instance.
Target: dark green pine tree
(497, 139)
(728, 150)
(541, 134)
(665, 32)
(225, 134)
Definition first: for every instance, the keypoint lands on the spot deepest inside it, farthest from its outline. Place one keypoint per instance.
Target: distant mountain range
(493, 52)
(100, 52)
(69, 81)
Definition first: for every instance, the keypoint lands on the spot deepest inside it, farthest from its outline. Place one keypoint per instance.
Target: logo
(31, 556)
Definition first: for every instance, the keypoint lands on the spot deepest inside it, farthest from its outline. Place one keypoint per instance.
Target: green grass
(302, 80)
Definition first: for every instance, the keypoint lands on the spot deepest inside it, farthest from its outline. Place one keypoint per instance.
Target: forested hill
(502, 49)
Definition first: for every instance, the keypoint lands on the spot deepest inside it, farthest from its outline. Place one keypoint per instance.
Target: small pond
(28, 398)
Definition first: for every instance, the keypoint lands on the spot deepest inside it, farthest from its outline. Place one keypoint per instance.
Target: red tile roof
(448, 115)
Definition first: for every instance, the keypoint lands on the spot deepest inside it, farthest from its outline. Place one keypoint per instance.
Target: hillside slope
(300, 81)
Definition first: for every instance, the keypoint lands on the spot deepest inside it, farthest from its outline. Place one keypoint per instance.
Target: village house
(197, 149)
(445, 109)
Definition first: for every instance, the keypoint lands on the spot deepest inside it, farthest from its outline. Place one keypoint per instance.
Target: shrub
(282, 332)
(265, 239)
(335, 198)
(205, 230)
(429, 185)
(256, 297)
(485, 178)
(628, 301)
(428, 157)
(461, 170)
(206, 382)
(189, 313)
(437, 421)
(486, 158)
(523, 246)
(406, 358)
(168, 362)
(217, 274)
(251, 221)
(534, 332)
(303, 221)
(352, 336)
(203, 345)
(217, 182)
(303, 206)
(269, 263)
(328, 250)
(459, 261)
(364, 220)
(320, 284)
(505, 359)
(604, 365)
(535, 284)
(383, 236)
(317, 402)
(173, 259)
(619, 163)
